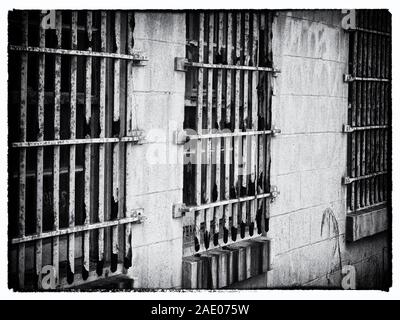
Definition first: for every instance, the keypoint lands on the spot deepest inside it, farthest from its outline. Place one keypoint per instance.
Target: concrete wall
(308, 158)
(153, 183)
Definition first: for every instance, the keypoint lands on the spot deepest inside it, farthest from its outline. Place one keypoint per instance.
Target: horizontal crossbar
(181, 64)
(351, 78)
(136, 56)
(135, 218)
(135, 138)
(349, 129)
(348, 180)
(388, 34)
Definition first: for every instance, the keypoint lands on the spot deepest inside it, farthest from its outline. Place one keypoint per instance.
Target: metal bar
(56, 150)
(199, 120)
(367, 116)
(350, 78)
(228, 140)
(231, 134)
(245, 149)
(218, 210)
(348, 180)
(79, 228)
(102, 168)
(72, 150)
(22, 153)
(254, 124)
(209, 213)
(229, 67)
(381, 33)
(137, 136)
(349, 129)
(88, 150)
(115, 208)
(135, 56)
(129, 129)
(229, 201)
(237, 140)
(39, 159)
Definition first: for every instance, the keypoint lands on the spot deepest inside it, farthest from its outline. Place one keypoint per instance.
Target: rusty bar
(228, 125)
(218, 210)
(262, 140)
(245, 147)
(199, 215)
(254, 124)
(208, 182)
(116, 131)
(236, 151)
(72, 150)
(88, 149)
(129, 119)
(136, 136)
(135, 56)
(39, 161)
(134, 218)
(56, 150)
(22, 153)
(102, 203)
(229, 66)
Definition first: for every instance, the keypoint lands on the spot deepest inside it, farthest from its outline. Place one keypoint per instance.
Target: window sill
(366, 223)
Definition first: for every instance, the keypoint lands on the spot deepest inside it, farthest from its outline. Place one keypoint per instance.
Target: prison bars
(243, 199)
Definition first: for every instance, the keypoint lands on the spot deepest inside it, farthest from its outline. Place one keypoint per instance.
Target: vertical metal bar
(72, 152)
(354, 104)
(245, 124)
(129, 107)
(22, 152)
(115, 208)
(199, 120)
(228, 141)
(56, 150)
(209, 211)
(265, 211)
(368, 111)
(218, 210)
(254, 124)
(39, 163)
(358, 114)
(237, 140)
(262, 140)
(102, 203)
(88, 149)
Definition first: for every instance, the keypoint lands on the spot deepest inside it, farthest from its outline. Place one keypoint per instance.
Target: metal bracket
(139, 136)
(347, 128)
(348, 77)
(275, 72)
(181, 137)
(347, 180)
(179, 210)
(274, 193)
(180, 64)
(275, 131)
(137, 214)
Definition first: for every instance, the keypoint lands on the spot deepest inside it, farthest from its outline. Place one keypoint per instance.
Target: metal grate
(369, 153)
(70, 96)
(228, 120)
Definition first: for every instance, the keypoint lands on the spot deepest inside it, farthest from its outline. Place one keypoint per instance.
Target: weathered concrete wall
(154, 178)
(309, 158)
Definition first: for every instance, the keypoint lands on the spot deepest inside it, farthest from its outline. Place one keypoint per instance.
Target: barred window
(70, 91)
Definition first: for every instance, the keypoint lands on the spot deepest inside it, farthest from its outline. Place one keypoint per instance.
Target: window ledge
(366, 223)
